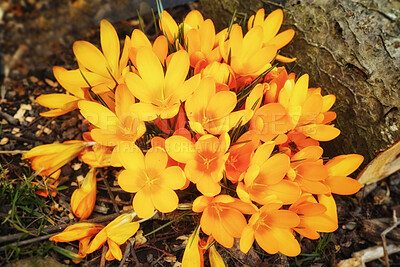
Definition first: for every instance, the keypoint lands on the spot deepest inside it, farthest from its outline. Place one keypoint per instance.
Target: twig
(26, 242)
(126, 253)
(11, 120)
(103, 256)
(13, 152)
(109, 192)
(383, 236)
(135, 258)
(57, 228)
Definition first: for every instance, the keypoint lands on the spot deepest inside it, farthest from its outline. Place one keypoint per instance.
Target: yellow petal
(300, 91)
(221, 104)
(288, 244)
(114, 252)
(123, 232)
(272, 24)
(71, 87)
(233, 221)
(176, 73)
(56, 100)
(173, 177)
(132, 180)
(164, 198)
(155, 161)
(273, 170)
(91, 58)
(98, 115)
(266, 240)
(110, 45)
(180, 148)
(246, 239)
(200, 203)
(215, 258)
(282, 39)
(151, 71)
(131, 156)
(143, 203)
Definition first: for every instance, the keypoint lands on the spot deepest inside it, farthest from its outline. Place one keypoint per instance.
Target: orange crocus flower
(115, 234)
(239, 158)
(212, 111)
(201, 45)
(308, 171)
(223, 217)
(149, 177)
(246, 55)
(46, 159)
(264, 179)
(193, 256)
(79, 231)
(101, 71)
(271, 228)
(271, 25)
(160, 95)
(84, 198)
(338, 169)
(114, 128)
(312, 217)
(204, 160)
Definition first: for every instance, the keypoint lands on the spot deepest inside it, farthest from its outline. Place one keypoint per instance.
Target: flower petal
(164, 198)
(143, 203)
(132, 180)
(172, 177)
(98, 115)
(180, 148)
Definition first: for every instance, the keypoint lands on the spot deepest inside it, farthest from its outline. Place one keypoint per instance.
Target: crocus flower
(160, 95)
(193, 256)
(79, 231)
(223, 217)
(264, 178)
(201, 45)
(101, 71)
(271, 25)
(204, 160)
(312, 217)
(212, 111)
(115, 234)
(114, 128)
(84, 198)
(338, 169)
(246, 55)
(271, 228)
(149, 177)
(46, 159)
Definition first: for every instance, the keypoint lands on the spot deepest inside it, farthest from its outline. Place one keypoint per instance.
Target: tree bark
(350, 49)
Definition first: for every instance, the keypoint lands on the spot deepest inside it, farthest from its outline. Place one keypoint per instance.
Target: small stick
(109, 192)
(103, 256)
(13, 152)
(126, 253)
(137, 262)
(26, 242)
(11, 120)
(383, 236)
(57, 228)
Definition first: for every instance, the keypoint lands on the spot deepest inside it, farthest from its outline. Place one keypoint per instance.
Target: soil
(37, 35)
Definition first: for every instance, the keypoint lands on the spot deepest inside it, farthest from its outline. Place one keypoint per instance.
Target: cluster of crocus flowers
(208, 108)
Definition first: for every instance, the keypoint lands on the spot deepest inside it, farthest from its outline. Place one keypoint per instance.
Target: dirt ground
(37, 35)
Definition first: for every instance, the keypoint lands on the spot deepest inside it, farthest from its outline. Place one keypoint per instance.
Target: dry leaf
(384, 164)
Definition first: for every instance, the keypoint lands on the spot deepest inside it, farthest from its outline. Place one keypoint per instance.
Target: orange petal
(343, 185)
(246, 239)
(143, 203)
(320, 132)
(344, 165)
(267, 240)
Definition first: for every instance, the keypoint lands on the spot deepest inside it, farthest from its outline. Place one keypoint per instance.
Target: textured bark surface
(349, 49)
